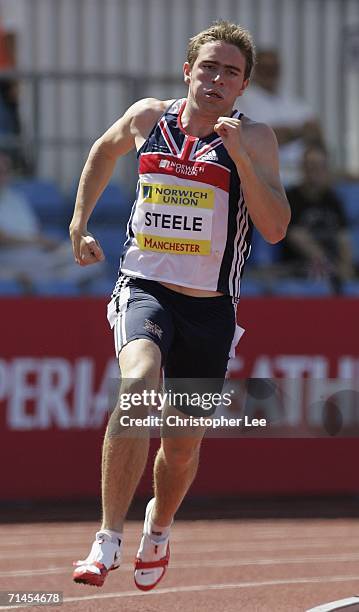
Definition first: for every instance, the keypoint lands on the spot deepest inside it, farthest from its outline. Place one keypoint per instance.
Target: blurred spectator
(292, 119)
(317, 243)
(10, 127)
(26, 254)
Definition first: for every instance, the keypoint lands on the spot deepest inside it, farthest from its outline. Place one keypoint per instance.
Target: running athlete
(206, 175)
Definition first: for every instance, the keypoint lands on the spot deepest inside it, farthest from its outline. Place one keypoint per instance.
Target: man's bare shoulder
(146, 105)
(255, 129)
(257, 135)
(146, 112)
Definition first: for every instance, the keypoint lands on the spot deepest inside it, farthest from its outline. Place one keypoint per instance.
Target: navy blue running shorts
(196, 335)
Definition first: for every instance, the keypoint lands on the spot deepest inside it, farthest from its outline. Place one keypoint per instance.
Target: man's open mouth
(214, 94)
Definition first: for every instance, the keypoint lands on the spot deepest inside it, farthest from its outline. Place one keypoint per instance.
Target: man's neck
(197, 122)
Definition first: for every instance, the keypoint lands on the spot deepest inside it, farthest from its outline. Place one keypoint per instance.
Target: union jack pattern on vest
(189, 224)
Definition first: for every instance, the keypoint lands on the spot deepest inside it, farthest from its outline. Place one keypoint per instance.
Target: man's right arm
(118, 140)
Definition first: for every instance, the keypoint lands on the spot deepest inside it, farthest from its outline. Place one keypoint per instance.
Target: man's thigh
(136, 312)
(203, 339)
(197, 361)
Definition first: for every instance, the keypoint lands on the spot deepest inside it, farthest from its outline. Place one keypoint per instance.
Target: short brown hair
(230, 33)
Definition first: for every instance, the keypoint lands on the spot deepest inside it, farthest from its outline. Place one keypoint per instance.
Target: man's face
(216, 78)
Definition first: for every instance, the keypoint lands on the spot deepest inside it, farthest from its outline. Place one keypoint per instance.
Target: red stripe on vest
(202, 172)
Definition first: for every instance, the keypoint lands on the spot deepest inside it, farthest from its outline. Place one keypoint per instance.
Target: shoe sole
(92, 579)
(88, 581)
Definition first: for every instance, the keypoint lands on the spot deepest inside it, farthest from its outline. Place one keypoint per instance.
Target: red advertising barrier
(55, 361)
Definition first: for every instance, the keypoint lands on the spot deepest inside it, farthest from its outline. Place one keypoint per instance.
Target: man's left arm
(254, 150)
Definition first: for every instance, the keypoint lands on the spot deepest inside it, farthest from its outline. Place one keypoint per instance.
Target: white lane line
(203, 587)
(330, 532)
(351, 557)
(339, 604)
(182, 548)
(244, 533)
(27, 544)
(39, 554)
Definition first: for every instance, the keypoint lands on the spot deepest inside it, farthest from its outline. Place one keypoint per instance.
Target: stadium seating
(108, 224)
(263, 253)
(102, 287)
(354, 234)
(10, 287)
(46, 199)
(302, 288)
(349, 194)
(252, 287)
(111, 240)
(351, 288)
(113, 206)
(58, 288)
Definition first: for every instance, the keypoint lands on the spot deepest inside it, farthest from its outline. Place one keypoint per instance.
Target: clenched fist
(86, 248)
(230, 130)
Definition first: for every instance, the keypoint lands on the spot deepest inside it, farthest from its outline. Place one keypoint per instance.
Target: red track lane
(231, 566)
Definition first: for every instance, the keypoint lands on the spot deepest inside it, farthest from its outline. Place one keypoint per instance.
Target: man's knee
(140, 365)
(140, 362)
(180, 453)
(128, 414)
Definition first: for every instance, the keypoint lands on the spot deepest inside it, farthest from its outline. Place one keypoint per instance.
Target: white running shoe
(104, 556)
(152, 557)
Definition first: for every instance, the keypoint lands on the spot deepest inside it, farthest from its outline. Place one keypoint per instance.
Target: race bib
(175, 219)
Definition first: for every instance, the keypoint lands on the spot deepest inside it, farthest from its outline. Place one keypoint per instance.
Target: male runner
(206, 174)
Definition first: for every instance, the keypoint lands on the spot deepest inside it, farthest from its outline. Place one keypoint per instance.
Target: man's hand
(86, 248)
(254, 150)
(229, 130)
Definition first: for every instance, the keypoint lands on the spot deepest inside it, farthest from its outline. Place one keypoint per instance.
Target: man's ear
(244, 87)
(187, 73)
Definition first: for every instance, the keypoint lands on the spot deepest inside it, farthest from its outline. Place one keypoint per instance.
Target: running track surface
(223, 565)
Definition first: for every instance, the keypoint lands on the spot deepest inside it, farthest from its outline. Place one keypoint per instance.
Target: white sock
(116, 536)
(158, 534)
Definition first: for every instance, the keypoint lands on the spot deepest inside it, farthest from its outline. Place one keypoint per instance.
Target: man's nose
(218, 77)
